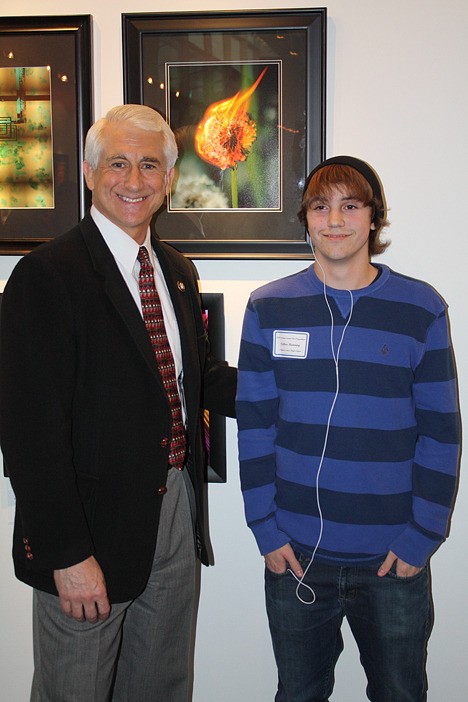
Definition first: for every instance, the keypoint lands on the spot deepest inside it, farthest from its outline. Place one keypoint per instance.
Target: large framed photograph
(214, 425)
(244, 93)
(45, 112)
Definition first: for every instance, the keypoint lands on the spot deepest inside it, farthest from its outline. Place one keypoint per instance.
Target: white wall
(397, 97)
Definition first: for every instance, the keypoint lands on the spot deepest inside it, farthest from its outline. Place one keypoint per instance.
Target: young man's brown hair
(357, 179)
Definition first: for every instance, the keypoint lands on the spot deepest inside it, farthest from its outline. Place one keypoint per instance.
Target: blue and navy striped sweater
(389, 473)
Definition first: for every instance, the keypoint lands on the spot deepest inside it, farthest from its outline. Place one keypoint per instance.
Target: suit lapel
(116, 290)
(181, 290)
(179, 287)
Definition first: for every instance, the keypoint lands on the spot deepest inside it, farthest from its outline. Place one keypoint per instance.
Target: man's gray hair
(140, 117)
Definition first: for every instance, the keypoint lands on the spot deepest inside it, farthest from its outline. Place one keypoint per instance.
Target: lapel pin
(181, 286)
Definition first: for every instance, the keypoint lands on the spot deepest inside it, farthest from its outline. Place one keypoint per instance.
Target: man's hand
(283, 558)
(403, 570)
(82, 591)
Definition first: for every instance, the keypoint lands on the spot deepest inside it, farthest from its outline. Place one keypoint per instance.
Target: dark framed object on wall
(214, 425)
(45, 112)
(5, 473)
(244, 93)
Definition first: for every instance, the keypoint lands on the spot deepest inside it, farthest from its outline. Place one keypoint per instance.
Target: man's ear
(88, 174)
(169, 179)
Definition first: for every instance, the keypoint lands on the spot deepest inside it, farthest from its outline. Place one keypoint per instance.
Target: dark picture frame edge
(35, 29)
(5, 471)
(213, 303)
(157, 27)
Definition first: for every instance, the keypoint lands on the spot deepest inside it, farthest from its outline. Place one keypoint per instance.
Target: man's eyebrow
(351, 197)
(123, 157)
(151, 159)
(113, 156)
(319, 198)
(343, 197)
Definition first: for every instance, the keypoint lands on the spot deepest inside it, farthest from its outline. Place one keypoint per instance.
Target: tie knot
(143, 255)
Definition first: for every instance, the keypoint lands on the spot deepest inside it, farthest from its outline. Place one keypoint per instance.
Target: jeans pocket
(273, 574)
(408, 579)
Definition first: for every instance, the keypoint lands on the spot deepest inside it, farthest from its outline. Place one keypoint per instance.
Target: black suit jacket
(84, 418)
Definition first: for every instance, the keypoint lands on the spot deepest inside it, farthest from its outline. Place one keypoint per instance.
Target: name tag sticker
(290, 344)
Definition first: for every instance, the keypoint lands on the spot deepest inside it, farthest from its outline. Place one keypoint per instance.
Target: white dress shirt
(125, 251)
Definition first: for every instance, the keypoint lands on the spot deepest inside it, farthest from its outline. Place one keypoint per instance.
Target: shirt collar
(123, 248)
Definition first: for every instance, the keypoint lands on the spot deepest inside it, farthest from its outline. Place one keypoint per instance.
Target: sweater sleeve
(257, 414)
(437, 448)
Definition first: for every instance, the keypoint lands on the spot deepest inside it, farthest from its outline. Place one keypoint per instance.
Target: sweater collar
(361, 292)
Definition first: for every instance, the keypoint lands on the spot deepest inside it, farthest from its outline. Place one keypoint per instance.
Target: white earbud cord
(336, 357)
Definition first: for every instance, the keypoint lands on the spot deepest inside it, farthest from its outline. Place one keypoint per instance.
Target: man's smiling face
(130, 183)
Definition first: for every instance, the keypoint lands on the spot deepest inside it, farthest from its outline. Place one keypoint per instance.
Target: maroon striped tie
(154, 321)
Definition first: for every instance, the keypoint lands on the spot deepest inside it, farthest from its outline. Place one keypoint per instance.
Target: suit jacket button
(161, 490)
(164, 443)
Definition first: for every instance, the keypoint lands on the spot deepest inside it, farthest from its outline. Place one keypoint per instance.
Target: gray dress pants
(141, 652)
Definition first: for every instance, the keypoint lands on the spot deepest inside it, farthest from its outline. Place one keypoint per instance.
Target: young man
(348, 443)
(104, 368)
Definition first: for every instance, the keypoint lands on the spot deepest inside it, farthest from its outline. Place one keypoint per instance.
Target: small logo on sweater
(385, 350)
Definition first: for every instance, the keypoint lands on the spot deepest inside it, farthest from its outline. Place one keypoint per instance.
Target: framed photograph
(45, 112)
(244, 93)
(214, 425)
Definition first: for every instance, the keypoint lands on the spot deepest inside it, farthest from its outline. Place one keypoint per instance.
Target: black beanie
(362, 167)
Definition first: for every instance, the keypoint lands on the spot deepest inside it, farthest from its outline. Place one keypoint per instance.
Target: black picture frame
(214, 425)
(5, 472)
(169, 57)
(62, 44)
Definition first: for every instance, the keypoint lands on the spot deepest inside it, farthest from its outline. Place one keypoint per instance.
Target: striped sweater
(388, 474)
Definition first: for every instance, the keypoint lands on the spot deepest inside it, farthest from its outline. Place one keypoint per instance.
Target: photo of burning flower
(226, 120)
(226, 132)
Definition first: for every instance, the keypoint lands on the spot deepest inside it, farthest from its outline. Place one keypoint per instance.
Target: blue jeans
(390, 617)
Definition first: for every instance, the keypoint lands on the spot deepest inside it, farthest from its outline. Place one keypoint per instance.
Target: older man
(104, 368)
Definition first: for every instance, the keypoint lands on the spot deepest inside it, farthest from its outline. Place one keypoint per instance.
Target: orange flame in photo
(226, 133)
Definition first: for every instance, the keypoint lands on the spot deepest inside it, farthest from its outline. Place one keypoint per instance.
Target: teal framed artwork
(45, 112)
